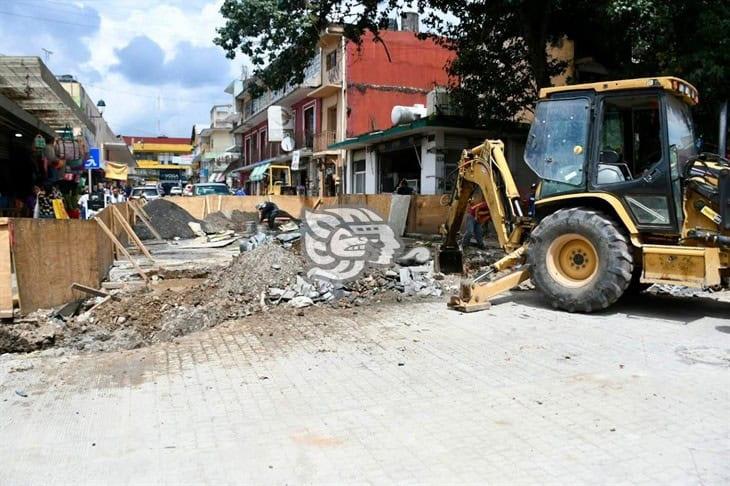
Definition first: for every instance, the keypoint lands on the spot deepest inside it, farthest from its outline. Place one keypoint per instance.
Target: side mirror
(609, 157)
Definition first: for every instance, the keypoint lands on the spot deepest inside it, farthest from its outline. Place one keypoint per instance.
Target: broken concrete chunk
(286, 237)
(301, 301)
(405, 276)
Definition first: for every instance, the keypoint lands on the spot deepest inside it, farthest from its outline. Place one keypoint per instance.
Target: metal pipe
(722, 138)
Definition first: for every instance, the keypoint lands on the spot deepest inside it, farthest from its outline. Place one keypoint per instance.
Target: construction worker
(477, 215)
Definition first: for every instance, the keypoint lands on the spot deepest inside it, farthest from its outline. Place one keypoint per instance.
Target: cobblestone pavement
(404, 393)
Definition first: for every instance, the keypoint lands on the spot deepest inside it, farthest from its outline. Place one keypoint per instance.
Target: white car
(145, 192)
(211, 188)
(176, 191)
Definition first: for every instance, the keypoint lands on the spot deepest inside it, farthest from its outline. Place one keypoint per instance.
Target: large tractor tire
(580, 260)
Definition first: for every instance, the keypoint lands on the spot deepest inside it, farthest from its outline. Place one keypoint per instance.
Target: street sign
(94, 160)
(295, 160)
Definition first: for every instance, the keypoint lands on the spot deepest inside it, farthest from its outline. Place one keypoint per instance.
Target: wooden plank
(131, 234)
(220, 202)
(121, 248)
(145, 221)
(141, 209)
(88, 290)
(6, 270)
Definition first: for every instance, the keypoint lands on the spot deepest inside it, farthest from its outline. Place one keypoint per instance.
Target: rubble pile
(237, 221)
(169, 219)
(269, 277)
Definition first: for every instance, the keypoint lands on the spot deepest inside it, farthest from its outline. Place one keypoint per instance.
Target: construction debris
(238, 221)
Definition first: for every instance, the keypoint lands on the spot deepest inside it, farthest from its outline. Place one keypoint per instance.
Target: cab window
(630, 142)
(556, 145)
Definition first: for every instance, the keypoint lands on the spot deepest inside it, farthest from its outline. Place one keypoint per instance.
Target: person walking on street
(477, 215)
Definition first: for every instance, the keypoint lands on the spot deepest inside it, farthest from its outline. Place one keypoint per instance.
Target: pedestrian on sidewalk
(476, 216)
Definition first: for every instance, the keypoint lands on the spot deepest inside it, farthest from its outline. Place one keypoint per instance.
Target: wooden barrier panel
(51, 254)
(426, 214)
(6, 271)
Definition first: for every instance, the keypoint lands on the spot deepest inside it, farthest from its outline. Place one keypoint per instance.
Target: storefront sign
(295, 156)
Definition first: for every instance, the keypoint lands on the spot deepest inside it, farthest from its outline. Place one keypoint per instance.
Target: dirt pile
(169, 219)
(238, 221)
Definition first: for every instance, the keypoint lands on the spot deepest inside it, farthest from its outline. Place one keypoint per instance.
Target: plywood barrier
(425, 214)
(6, 271)
(50, 255)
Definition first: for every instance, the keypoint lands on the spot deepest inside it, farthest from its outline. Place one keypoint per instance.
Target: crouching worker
(269, 211)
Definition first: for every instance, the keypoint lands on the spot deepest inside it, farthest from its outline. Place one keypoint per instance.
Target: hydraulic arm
(485, 167)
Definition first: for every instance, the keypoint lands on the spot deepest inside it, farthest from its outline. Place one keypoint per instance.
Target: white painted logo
(340, 242)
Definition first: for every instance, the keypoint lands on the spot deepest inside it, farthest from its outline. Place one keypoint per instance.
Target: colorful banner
(118, 172)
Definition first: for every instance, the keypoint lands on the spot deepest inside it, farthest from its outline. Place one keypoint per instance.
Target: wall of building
(376, 83)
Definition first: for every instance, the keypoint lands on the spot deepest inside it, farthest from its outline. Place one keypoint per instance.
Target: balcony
(324, 139)
(291, 93)
(331, 82)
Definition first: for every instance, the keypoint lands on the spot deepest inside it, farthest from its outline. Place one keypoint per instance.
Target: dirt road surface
(394, 393)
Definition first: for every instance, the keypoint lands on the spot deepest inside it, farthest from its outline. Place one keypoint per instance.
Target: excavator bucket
(450, 260)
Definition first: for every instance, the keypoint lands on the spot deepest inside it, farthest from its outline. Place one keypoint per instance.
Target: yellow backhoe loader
(624, 199)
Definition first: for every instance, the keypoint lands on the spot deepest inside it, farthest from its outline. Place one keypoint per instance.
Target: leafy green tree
(500, 45)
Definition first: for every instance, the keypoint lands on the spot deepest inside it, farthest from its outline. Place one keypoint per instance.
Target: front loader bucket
(450, 260)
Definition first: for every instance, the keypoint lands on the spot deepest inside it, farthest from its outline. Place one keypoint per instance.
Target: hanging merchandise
(67, 149)
(39, 142)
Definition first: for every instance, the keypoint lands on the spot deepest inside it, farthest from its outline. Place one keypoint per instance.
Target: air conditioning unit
(438, 102)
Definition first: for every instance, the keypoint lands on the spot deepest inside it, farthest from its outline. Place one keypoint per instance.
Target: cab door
(631, 159)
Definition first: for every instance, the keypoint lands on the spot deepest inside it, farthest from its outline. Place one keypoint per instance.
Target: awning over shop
(33, 87)
(258, 172)
(117, 172)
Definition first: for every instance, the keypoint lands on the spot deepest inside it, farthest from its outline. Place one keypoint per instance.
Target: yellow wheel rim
(572, 260)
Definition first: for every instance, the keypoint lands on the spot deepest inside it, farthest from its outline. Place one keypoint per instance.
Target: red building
(349, 90)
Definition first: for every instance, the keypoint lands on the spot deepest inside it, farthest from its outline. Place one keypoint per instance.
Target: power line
(43, 19)
(154, 97)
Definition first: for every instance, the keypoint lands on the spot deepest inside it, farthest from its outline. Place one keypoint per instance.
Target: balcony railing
(324, 139)
(311, 79)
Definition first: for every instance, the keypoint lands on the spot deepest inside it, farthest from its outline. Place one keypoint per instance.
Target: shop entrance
(400, 164)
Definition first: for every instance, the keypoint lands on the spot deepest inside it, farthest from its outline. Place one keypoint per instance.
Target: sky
(129, 53)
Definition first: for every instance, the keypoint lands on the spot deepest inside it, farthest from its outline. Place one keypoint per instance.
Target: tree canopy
(500, 45)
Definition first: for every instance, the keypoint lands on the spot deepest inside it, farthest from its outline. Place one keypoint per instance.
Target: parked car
(176, 191)
(210, 188)
(146, 192)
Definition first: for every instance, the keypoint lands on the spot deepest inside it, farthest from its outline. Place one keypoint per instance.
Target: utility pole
(46, 54)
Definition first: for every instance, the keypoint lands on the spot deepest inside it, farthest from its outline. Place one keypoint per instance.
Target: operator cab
(628, 139)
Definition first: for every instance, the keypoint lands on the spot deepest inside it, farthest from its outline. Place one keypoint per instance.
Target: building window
(358, 177)
(247, 151)
(309, 126)
(255, 156)
(331, 60)
(262, 143)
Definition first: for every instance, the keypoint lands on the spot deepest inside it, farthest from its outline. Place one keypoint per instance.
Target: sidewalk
(409, 393)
